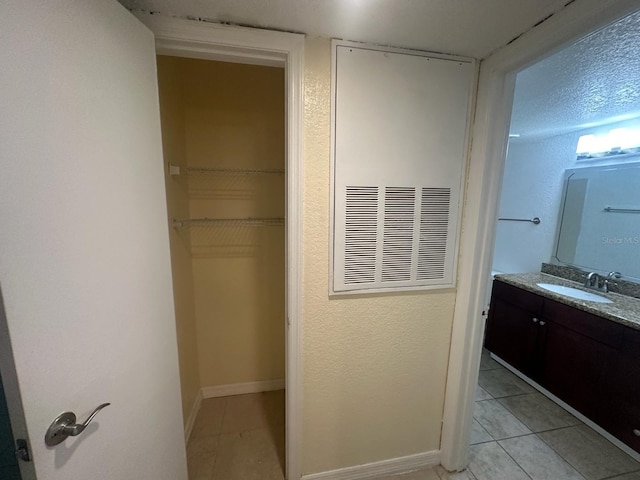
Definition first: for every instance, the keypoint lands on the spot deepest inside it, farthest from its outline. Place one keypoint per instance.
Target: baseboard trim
(242, 388)
(392, 466)
(195, 408)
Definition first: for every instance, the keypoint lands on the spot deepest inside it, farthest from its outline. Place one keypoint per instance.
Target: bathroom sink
(574, 293)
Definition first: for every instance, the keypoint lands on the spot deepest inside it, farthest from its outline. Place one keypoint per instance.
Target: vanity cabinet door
(621, 417)
(573, 368)
(577, 351)
(513, 326)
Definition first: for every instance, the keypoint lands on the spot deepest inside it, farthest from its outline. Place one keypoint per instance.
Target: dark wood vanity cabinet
(513, 327)
(623, 417)
(591, 363)
(577, 351)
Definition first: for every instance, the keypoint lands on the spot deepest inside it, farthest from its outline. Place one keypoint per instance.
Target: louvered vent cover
(434, 225)
(413, 224)
(397, 245)
(361, 235)
(399, 143)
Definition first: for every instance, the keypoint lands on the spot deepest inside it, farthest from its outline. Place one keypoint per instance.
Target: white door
(84, 252)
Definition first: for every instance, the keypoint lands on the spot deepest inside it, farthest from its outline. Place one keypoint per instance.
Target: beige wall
(374, 366)
(173, 146)
(234, 118)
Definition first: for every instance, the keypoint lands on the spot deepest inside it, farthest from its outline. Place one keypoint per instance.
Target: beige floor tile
(490, 462)
(209, 419)
(479, 434)
(538, 412)
(589, 453)
(538, 460)
(444, 475)
(249, 455)
(482, 394)
(503, 383)
(252, 411)
(201, 456)
(488, 363)
(497, 420)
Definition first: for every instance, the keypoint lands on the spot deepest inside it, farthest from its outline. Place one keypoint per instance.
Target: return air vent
(434, 228)
(413, 224)
(397, 245)
(361, 235)
(399, 139)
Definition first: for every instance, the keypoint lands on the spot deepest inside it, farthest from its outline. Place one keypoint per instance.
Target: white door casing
(490, 132)
(84, 251)
(210, 41)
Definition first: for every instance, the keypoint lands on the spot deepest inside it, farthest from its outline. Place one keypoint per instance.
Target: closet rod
(622, 210)
(534, 220)
(228, 222)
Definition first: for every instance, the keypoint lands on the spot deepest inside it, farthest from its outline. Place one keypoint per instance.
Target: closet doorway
(223, 128)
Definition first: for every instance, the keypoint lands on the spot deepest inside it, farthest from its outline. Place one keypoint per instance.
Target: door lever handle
(65, 426)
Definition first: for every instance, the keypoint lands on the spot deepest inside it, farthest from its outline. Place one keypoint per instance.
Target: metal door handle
(65, 426)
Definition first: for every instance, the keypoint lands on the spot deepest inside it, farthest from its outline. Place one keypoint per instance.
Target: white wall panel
(400, 122)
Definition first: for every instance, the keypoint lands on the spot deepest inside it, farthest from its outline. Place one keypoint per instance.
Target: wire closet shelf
(228, 222)
(176, 170)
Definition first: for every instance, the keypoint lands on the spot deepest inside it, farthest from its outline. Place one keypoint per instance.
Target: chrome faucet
(592, 281)
(610, 277)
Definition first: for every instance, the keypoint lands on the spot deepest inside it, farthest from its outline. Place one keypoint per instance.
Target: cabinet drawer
(597, 328)
(517, 296)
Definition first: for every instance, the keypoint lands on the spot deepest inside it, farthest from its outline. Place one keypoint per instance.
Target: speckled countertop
(624, 310)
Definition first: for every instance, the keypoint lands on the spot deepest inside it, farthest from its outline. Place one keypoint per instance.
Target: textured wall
(592, 82)
(532, 187)
(173, 149)
(374, 365)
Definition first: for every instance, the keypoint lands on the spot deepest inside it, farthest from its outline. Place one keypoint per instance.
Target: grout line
(562, 456)
(485, 430)
(514, 460)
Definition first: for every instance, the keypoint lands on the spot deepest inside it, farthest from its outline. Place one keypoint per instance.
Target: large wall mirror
(599, 224)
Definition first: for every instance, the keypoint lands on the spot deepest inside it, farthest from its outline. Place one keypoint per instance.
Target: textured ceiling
(593, 82)
(472, 28)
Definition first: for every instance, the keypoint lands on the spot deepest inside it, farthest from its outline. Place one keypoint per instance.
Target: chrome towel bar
(534, 220)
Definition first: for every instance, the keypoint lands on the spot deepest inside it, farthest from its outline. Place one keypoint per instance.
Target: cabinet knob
(542, 323)
(534, 319)
(636, 432)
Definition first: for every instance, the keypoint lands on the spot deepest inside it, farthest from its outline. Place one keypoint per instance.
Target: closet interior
(223, 129)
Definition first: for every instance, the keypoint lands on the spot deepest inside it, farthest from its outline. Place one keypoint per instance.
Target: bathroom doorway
(586, 88)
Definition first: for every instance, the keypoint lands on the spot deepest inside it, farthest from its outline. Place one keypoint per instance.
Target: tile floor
(517, 434)
(238, 438)
(242, 438)
(520, 434)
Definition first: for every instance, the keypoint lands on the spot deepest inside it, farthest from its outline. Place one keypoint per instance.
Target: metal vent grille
(397, 244)
(434, 226)
(361, 235)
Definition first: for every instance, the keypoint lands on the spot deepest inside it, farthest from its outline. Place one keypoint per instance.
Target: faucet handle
(614, 275)
(592, 279)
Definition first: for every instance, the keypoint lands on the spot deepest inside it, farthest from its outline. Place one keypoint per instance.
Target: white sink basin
(574, 293)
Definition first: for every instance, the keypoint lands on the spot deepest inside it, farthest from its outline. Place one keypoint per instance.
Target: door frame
(486, 167)
(212, 41)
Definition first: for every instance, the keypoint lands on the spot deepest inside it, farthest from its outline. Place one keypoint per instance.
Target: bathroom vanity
(585, 353)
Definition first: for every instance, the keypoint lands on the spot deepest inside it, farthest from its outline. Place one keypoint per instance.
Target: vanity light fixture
(617, 141)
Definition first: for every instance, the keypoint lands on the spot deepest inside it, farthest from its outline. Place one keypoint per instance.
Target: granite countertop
(624, 309)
